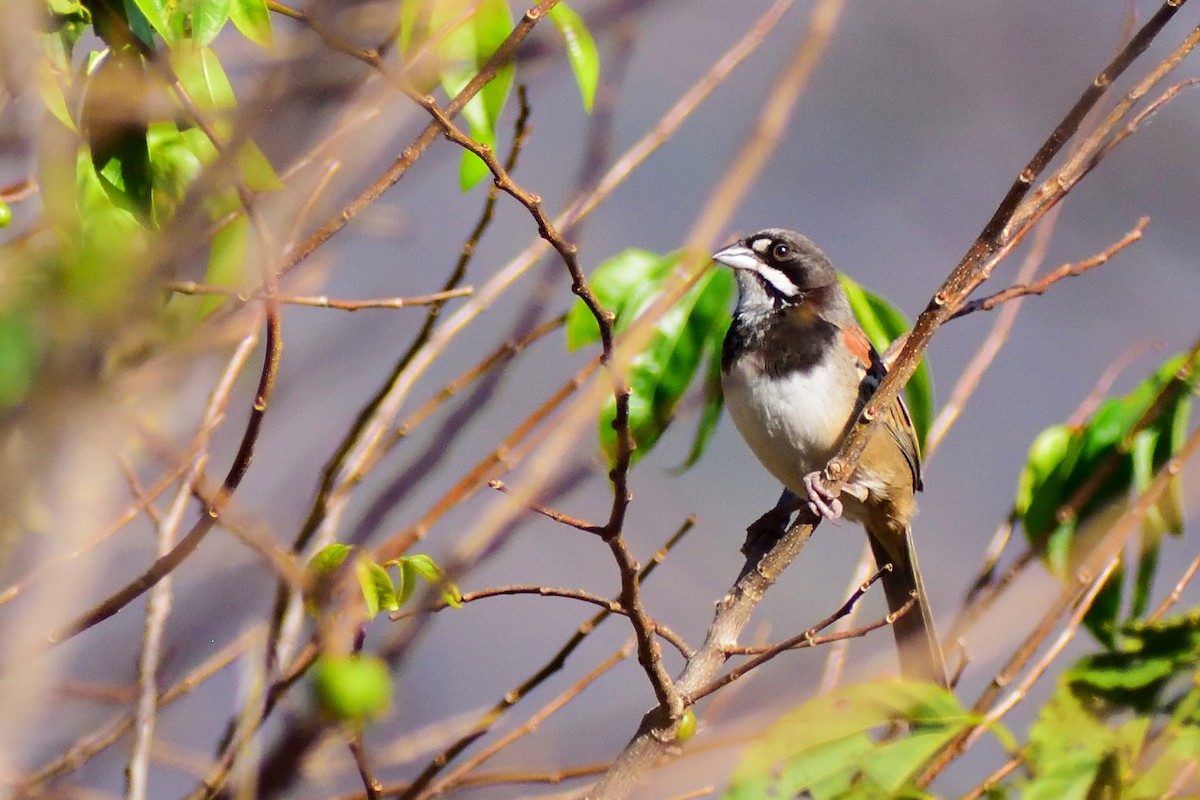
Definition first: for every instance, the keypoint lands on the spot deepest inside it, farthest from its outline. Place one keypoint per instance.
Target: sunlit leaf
(659, 375)
(581, 51)
(830, 742)
(208, 17)
(624, 284)
(461, 54)
(51, 92)
(253, 20)
(146, 14)
(377, 587)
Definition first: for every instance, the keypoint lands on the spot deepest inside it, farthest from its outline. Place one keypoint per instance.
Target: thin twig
(371, 785)
(322, 301)
(1176, 592)
(986, 353)
(1068, 270)
(550, 513)
(502, 56)
(90, 745)
(991, 781)
(806, 639)
(836, 660)
(612, 606)
(556, 663)
(456, 778)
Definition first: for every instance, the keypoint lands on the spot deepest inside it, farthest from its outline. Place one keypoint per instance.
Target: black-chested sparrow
(796, 370)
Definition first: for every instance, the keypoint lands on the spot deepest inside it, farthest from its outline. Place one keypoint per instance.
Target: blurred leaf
(19, 357)
(226, 262)
(883, 324)
(174, 166)
(461, 54)
(253, 20)
(1176, 751)
(419, 565)
(208, 18)
(581, 51)
(1067, 746)
(204, 79)
(659, 375)
(70, 20)
(260, 176)
(1135, 675)
(1101, 462)
(51, 92)
(624, 284)
(824, 746)
(5, 215)
(143, 15)
(328, 559)
(352, 688)
(713, 402)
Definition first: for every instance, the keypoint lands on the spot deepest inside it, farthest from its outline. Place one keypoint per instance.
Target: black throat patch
(792, 339)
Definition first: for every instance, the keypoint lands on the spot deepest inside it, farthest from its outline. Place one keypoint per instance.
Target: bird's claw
(821, 501)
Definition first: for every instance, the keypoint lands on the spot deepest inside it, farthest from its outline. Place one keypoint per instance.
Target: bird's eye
(780, 251)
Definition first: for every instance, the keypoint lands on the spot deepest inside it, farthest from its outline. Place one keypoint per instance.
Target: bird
(796, 370)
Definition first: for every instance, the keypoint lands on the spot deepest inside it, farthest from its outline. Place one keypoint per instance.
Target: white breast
(791, 423)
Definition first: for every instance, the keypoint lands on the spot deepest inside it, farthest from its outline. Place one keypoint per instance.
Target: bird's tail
(916, 637)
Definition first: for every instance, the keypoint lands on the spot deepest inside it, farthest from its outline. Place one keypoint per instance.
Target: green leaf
(714, 401)
(260, 176)
(353, 688)
(174, 167)
(419, 565)
(254, 21)
(20, 354)
(581, 51)
(1149, 658)
(208, 18)
(883, 324)
(659, 375)
(5, 215)
(825, 746)
(204, 79)
(377, 587)
(154, 13)
(461, 54)
(1177, 747)
(624, 284)
(50, 90)
(1109, 457)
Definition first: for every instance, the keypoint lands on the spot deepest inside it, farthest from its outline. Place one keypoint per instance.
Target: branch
(187, 545)
(1069, 270)
(611, 606)
(322, 301)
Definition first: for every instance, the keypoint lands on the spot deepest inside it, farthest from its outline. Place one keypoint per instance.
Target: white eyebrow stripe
(777, 279)
(760, 245)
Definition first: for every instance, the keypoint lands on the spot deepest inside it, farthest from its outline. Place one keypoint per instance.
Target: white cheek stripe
(777, 279)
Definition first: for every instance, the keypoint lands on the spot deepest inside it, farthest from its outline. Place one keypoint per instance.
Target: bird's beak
(738, 256)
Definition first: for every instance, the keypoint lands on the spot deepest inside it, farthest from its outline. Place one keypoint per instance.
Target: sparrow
(797, 369)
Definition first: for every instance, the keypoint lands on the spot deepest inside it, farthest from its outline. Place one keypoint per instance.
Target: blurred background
(910, 131)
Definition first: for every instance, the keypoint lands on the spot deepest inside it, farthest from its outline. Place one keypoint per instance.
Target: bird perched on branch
(796, 370)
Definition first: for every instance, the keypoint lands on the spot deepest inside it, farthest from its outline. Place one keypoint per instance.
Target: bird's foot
(821, 501)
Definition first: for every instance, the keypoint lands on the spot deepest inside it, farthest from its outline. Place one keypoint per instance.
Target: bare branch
(322, 301)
